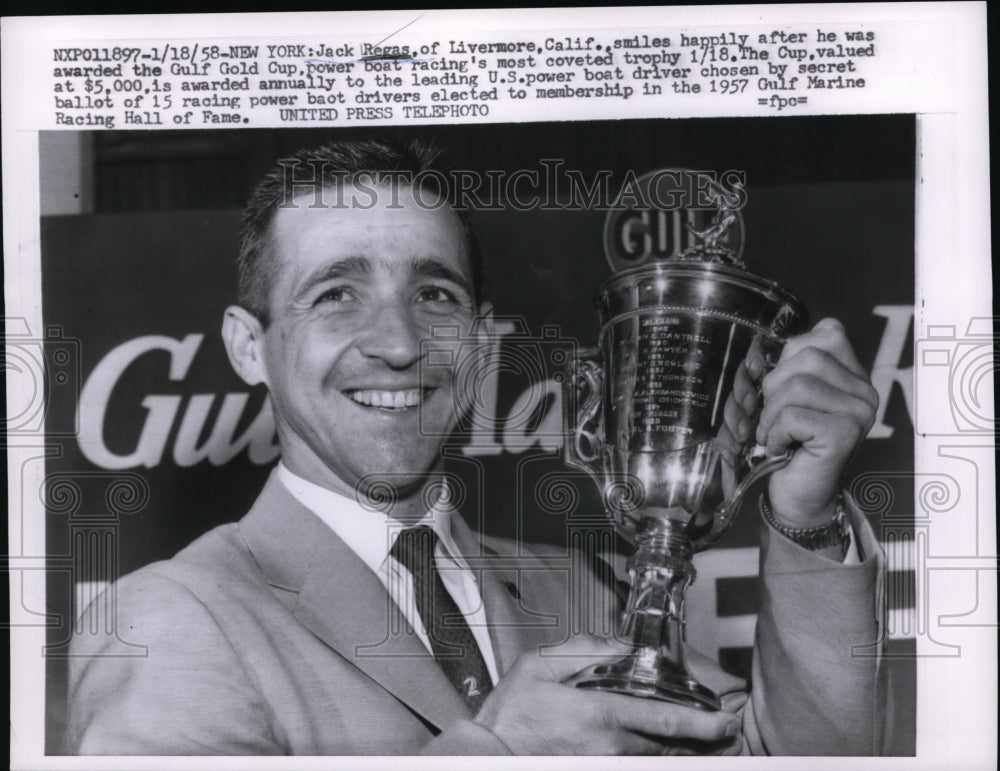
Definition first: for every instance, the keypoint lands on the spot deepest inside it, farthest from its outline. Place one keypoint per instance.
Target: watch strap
(836, 532)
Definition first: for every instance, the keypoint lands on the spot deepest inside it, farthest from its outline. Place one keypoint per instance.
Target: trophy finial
(711, 247)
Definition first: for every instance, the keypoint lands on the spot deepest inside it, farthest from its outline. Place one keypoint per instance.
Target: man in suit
(352, 611)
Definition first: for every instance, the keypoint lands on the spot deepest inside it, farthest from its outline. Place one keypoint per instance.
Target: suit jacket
(270, 636)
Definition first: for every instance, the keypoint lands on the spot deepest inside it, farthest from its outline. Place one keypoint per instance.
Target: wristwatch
(836, 532)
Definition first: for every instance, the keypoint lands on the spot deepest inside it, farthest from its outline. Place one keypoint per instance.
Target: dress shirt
(371, 535)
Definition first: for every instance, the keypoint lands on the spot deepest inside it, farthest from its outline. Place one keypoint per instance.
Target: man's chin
(385, 490)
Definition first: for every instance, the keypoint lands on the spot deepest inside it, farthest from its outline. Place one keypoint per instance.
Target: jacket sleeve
(819, 684)
(178, 689)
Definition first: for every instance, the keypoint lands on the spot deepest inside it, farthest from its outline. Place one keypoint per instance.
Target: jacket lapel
(340, 600)
(509, 595)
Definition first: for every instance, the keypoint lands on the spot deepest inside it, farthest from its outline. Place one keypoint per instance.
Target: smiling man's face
(357, 292)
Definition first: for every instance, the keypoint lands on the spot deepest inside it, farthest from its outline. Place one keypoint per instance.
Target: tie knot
(414, 548)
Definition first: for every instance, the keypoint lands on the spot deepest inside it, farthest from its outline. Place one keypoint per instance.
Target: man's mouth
(403, 399)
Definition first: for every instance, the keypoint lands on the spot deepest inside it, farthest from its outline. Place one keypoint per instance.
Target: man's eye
(437, 295)
(339, 294)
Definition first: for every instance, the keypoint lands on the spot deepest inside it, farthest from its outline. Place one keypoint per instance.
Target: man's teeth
(388, 399)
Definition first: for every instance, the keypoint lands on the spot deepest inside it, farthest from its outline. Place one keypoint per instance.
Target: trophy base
(629, 677)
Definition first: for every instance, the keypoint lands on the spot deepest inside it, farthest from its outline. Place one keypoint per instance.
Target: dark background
(829, 214)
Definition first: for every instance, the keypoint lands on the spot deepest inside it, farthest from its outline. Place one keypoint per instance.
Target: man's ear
(243, 337)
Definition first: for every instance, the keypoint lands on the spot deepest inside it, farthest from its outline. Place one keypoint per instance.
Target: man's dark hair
(328, 167)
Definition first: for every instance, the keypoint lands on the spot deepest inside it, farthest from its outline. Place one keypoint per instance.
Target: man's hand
(819, 402)
(533, 713)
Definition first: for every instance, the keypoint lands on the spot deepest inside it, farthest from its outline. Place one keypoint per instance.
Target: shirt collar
(368, 532)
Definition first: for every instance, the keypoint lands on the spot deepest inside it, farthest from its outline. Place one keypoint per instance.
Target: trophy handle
(760, 464)
(583, 384)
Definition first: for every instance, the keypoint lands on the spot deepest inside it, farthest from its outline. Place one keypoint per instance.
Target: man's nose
(392, 335)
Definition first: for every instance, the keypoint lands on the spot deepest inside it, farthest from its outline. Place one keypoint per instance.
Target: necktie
(454, 647)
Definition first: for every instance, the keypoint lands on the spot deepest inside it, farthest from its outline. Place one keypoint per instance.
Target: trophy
(662, 415)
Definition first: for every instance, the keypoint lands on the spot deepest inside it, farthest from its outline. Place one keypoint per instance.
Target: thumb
(558, 662)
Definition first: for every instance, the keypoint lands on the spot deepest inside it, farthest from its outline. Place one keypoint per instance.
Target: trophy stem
(660, 571)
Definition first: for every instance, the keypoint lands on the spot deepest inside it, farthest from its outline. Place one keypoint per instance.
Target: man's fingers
(828, 335)
(628, 743)
(737, 421)
(810, 393)
(576, 654)
(819, 432)
(533, 714)
(670, 721)
(824, 366)
(745, 390)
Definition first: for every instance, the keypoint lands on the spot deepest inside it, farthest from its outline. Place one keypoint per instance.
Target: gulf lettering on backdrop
(533, 420)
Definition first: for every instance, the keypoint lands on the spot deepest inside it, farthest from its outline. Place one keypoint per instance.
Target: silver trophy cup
(662, 415)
